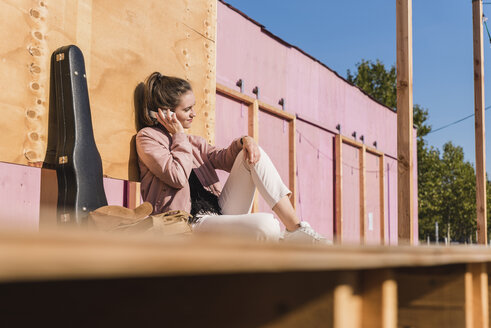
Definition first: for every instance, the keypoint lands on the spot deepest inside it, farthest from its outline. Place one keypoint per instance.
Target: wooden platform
(109, 280)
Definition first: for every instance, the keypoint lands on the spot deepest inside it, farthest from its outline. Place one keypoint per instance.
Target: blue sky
(341, 33)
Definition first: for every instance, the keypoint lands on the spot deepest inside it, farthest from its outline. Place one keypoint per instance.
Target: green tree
(376, 80)
(458, 208)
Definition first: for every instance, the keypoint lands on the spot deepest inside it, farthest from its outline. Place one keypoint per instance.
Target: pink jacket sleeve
(223, 158)
(171, 164)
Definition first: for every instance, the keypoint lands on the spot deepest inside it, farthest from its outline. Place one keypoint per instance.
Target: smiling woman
(178, 170)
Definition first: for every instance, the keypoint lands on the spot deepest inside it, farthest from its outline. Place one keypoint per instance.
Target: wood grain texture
(348, 301)
(123, 42)
(363, 202)
(68, 254)
(431, 297)
(405, 180)
(292, 158)
(339, 188)
(382, 199)
(476, 296)
(379, 299)
(480, 136)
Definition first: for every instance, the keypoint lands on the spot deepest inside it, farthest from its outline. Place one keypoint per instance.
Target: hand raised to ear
(169, 120)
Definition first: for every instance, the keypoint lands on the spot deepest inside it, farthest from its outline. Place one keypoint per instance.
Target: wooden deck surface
(73, 255)
(129, 281)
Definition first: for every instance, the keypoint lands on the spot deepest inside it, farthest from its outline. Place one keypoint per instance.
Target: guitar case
(71, 148)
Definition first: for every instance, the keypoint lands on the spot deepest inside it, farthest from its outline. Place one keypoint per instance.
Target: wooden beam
(133, 194)
(382, 199)
(482, 237)
(347, 301)
(292, 158)
(276, 111)
(362, 161)
(338, 140)
(48, 200)
(476, 296)
(254, 132)
(234, 94)
(405, 179)
(379, 299)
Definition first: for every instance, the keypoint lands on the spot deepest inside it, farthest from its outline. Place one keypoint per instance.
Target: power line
(453, 123)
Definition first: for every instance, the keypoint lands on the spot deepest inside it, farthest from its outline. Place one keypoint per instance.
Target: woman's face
(185, 110)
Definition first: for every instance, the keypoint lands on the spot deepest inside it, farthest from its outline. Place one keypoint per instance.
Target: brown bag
(122, 219)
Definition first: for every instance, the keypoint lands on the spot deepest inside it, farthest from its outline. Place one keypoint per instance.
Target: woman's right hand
(169, 121)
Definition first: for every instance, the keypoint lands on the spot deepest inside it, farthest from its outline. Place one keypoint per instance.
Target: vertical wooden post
(482, 237)
(339, 188)
(405, 178)
(254, 132)
(379, 304)
(362, 154)
(48, 200)
(133, 194)
(382, 199)
(293, 161)
(476, 296)
(347, 301)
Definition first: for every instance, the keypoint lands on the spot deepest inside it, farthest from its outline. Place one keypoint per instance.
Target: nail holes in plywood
(34, 13)
(38, 35)
(35, 86)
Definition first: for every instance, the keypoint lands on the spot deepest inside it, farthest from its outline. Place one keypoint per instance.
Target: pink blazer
(166, 162)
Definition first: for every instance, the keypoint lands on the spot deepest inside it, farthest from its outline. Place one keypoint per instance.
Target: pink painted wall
(320, 96)
(315, 167)
(351, 194)
(19, 200)
(20, 190)
(372, 178)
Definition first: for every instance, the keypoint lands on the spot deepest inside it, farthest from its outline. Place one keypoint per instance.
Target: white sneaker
(304, 234)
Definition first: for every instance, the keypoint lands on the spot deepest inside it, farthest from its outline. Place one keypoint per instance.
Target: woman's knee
(266, 226)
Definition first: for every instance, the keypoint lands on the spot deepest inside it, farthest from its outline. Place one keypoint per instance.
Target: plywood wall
(123, 41)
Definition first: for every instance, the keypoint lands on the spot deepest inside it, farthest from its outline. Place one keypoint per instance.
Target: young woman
(177, 171)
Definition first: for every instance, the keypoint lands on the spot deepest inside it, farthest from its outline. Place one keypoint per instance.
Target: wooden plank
(431, 297)
(347, 301)
(276, 111)
(382, 199)
(254, 132)
(363, 203)
(292, 157)
(353, 143)
(133, 194)
(48, 200)
(476, 296)
(234, 94)
(481, 206)
(338, 141)
(208, 301)
(379, 299)
(68, 254)
(405, 180)
(374, 151)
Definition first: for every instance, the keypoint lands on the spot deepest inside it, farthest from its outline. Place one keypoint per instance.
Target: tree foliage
(446, 182)
(376, 80)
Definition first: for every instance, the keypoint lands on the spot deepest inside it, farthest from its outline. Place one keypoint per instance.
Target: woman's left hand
(251, 150)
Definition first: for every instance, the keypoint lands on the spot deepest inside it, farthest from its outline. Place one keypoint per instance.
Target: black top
(202, 201)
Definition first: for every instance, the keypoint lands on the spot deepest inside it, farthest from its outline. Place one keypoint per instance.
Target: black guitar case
(71, 148)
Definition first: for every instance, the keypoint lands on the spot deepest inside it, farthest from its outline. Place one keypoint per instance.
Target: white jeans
(237, 198)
